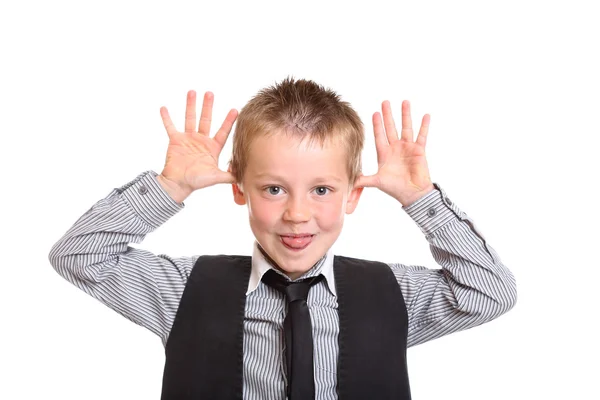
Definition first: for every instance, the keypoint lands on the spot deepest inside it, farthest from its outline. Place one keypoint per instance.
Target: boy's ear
(353, 198)
(238, 195)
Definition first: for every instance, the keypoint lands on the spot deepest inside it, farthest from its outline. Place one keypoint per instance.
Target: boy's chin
(296, 268)
(293, 262)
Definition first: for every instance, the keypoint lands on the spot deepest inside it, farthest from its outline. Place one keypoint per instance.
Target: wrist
(173, 189)
(409, 200)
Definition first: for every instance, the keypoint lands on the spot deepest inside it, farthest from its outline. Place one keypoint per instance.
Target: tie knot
(293, 290)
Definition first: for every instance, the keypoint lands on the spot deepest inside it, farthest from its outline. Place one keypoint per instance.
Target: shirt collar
(260, 265)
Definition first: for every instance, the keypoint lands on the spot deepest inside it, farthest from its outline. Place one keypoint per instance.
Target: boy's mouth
(296, 242)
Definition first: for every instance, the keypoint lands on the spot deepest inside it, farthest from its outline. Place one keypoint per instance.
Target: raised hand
(192, 155)
(403, 172)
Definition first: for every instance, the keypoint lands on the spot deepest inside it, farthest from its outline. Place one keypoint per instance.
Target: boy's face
(294, 189)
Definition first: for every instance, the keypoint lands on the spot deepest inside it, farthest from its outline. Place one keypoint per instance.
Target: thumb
(367, 181)
(225, 177)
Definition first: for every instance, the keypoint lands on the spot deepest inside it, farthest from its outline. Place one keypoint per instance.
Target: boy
(294, 320)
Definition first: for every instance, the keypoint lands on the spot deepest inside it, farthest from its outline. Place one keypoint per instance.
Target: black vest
(204, 351)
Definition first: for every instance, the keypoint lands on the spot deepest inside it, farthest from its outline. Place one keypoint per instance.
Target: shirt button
(448, 201)
(431, 212)
(143, 190)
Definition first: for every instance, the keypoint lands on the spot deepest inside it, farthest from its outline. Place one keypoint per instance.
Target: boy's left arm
(473, 285)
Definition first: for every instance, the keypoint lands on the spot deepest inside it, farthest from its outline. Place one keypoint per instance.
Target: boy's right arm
(94, 255)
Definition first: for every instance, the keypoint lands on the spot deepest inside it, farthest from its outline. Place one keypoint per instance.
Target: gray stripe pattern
(471, 288)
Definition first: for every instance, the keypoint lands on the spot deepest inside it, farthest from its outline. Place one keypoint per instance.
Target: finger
(407, 131)
(380, 140)
(367, 181)
(164, 114)
(190, 112)
(206, 115)
(424, 130)
(388, 122)
(223, 132)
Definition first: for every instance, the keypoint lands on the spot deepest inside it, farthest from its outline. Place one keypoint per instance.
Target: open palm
(192, 156)
(402, 166)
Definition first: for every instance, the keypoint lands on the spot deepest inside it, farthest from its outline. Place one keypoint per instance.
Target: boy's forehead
(285, 141)
(282, 155)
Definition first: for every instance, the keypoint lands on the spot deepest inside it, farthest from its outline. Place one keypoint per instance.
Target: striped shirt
(472, 286)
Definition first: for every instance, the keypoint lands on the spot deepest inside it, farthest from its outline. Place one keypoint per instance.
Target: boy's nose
(297, 210)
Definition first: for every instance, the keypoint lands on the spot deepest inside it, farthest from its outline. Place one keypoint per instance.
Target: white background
(512, 89)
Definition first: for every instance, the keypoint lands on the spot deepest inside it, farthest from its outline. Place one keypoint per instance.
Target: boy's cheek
(331, 215)
(262, 213)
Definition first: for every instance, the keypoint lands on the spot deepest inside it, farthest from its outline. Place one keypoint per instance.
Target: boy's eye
(321, 190)
(274, 190)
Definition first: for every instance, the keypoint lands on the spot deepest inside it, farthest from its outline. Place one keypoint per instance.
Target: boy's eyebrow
(280, 178)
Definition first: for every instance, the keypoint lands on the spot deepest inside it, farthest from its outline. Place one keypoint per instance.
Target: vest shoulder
(357, 261)
(221, 261)
(224, 257)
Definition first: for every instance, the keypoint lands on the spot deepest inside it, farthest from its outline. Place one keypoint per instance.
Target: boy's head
(296, 156)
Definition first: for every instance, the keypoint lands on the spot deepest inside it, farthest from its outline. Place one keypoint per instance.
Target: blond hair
(303, 109)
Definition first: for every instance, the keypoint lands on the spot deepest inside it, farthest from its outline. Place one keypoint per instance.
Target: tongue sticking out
(296, 242)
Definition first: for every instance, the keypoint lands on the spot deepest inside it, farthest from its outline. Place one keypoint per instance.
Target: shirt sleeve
(94, 255)
(472, 287)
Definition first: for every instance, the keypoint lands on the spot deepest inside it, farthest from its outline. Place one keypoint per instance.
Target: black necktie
(298, 334)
